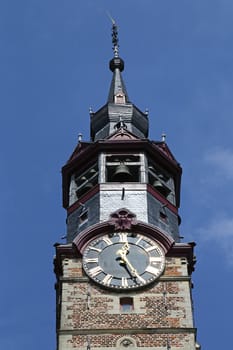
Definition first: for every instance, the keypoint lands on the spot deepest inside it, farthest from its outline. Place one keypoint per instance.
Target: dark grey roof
(118, 111)
(117, 85)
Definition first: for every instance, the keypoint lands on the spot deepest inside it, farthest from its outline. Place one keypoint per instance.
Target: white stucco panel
(134, 200)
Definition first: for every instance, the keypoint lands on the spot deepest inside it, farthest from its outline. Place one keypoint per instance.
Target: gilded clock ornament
(123, 260)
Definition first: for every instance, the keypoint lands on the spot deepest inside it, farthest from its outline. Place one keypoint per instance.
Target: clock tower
(123, 276)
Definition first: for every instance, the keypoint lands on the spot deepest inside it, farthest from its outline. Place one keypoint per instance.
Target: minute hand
(132, 269)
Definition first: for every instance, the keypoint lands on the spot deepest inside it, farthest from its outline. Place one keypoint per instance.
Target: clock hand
(125, 247)
(126, 261)
(124, 250)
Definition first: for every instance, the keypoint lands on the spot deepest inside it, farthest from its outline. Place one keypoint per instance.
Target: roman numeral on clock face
(107, 240)
(152, 269)
(91, 260)
(123, 237)
(155, 259)
(138, 241)
(95, 271)
(95, 249)
(141, 279)
(149, 249)
(124, 282)
(107, 279)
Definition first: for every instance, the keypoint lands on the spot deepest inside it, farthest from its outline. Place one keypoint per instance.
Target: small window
(163, 217)
(126, 342)
(119, 98)
(126, 304)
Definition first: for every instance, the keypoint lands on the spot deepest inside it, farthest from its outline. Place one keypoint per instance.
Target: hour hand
(123, 251)
(122, 255)
(125, 248)
(125, 261)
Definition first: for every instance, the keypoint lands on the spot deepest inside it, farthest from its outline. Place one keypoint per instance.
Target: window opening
(163, 217)
(86, 180)
(123, 168)
(126, 342)
(161, 181)
(126, 304)
(119, 98)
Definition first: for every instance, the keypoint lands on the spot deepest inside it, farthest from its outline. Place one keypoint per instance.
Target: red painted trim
(162, 199)
(84, 198)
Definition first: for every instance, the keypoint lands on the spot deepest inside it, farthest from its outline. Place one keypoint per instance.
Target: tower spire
(118, 108)
(116, 65)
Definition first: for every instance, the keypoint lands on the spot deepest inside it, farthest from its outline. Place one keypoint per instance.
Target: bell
(83, 178)
(88, 186)
(84, 189)
(161, 188)
(157, 184)
(122, 173)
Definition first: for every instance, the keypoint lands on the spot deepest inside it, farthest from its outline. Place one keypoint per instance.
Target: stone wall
(161, 313)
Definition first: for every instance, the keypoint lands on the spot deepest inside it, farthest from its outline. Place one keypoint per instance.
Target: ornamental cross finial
(115, 39)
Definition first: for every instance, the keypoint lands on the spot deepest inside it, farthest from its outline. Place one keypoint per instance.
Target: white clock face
(123, 260)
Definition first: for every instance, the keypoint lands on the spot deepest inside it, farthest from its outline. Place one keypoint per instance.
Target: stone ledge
(127, 331)
(162, 279)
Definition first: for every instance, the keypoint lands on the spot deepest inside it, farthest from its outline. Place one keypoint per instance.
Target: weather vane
(115, 39)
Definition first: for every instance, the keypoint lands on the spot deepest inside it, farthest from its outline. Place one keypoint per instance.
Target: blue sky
(53, 66)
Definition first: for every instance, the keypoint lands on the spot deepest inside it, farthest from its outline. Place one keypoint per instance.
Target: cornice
(161, 330)
(161, 279)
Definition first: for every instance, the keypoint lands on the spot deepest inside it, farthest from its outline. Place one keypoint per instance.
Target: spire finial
(164, 137)
(116, 61)
(115, 39)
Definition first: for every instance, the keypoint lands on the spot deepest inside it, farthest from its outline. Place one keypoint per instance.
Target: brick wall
(162, 312)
